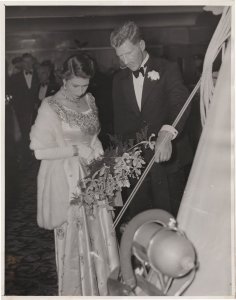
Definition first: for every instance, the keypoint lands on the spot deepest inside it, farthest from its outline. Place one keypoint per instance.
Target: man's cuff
(170, 129)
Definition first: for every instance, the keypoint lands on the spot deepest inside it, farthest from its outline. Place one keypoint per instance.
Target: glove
(98, 149)
(85, 152)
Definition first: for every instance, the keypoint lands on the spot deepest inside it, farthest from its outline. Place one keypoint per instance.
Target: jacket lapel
(34, 82)
(24, 83)
(128, 87)
(149, 84)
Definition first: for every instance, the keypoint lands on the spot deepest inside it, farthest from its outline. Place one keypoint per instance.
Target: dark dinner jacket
(53, 87)
(21, 92)
(161, 102)
(24, 98)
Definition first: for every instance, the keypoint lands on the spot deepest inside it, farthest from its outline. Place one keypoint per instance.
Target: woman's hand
(98, 149)
(85, 152)
(98, 152)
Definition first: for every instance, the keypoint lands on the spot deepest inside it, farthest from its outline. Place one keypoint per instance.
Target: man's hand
(8, 99)
(163, 147)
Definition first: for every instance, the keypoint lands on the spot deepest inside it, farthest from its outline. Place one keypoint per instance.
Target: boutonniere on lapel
(153, 75)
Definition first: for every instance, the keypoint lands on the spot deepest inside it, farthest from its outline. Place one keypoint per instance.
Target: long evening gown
(86, 247)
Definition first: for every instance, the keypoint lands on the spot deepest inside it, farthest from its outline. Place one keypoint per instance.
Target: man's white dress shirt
(28, 78)
(42, 91)
(138, 83)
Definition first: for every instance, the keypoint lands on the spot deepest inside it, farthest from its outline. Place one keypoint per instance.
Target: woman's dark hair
(80, 65)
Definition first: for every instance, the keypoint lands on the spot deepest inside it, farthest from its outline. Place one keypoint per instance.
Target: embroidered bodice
(87, 121)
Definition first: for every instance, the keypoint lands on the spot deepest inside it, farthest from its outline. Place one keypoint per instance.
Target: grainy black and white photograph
(118, 149)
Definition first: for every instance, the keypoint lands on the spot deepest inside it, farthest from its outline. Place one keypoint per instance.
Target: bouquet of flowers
(109, 174)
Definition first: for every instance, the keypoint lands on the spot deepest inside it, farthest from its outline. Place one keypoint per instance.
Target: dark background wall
(49, 32)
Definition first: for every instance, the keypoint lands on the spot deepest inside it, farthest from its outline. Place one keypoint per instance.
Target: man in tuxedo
(48, 85)
(16, 65)
(24, 89)
(149, 93)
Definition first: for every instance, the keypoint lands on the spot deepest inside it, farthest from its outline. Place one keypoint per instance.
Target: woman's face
(77, 86)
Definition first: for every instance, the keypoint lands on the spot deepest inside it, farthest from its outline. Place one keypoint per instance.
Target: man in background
(24, 90)
(17, 65)
(47, 83)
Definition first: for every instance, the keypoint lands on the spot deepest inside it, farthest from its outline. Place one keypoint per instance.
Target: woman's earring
(64, 85)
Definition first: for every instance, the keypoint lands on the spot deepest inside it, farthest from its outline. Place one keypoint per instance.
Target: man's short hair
(128, 31)
(47, 63)
(26, 55)
(16, 60)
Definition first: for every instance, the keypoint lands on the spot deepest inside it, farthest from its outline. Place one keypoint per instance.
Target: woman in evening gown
(64, 138)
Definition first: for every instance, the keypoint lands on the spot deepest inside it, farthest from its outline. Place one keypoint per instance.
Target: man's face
(43, 74)
(18, 67)
(28, 63)
(131, 55)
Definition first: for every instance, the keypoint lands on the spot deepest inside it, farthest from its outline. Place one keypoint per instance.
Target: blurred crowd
(27, 83)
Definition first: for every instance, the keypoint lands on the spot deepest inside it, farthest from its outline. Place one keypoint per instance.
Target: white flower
(153, 75)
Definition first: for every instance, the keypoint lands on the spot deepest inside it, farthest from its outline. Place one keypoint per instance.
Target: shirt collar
(144, 61)
(28, 73)
(44, 83)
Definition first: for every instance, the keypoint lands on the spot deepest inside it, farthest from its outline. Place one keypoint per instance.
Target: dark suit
(24, 100)
(101, 88)
(162, 100)
(53, 87)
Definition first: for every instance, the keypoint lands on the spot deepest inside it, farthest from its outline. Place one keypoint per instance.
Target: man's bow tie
(28, 72)
(44, 84)
(136, 73)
